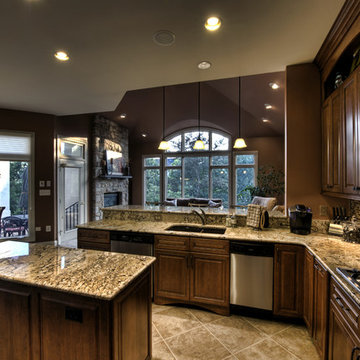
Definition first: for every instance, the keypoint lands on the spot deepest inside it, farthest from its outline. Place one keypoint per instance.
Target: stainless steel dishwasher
(251, 275)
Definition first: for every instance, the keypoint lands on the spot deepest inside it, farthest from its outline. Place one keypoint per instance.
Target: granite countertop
(331, 251)
(97, 274)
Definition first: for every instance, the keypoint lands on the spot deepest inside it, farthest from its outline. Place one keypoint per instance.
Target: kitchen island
(61, 303)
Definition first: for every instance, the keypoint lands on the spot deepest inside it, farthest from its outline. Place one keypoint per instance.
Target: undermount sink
(197, 229)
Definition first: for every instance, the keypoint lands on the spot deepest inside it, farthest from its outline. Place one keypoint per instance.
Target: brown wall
(303, 139)
(42, 126)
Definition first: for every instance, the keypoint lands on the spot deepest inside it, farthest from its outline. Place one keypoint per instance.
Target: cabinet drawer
(171, 242)
(93, 246)
(345, 306)
(98, 236)
(212, 246)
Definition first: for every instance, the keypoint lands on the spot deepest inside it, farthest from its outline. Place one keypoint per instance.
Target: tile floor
(182, 334)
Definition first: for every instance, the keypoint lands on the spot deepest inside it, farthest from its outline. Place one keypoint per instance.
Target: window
(245, 165)
(152, 180)
(182, 172)
(16, 184)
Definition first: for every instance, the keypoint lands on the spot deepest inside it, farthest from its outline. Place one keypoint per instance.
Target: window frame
(255, 166)
(30, 159)
(230, 153)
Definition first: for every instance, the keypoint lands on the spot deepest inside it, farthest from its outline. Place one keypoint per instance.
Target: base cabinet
(321, 301)
(94, 239)
(309, 290)
(193, 271)
(344, 325)
(288, 280)
(49, 325)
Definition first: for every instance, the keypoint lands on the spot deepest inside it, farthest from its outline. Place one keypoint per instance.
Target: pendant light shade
(239, 142)
(199, 144)
(164, 145)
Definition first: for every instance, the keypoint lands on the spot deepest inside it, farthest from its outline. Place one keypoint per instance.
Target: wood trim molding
(349, 13)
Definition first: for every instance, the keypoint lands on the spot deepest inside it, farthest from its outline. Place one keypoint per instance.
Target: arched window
(182, 172)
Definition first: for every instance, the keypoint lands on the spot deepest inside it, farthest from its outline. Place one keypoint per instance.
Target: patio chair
(13, 224)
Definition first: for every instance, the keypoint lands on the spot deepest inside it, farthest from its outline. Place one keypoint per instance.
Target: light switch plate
(323, 210)
(48, 183)
(42, 183)
(38, 228)
(48, 228)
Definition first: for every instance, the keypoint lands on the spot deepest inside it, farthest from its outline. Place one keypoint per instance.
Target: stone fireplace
(108, 135)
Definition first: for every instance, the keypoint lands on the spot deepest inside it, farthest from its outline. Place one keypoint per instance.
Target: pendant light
(239, 142)
(199, 144)
(164, 145)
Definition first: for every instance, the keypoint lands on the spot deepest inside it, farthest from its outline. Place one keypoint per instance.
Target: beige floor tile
(235, 333)
(269, 327)
(265, 350)
(158, 308)
(161, 352)
(205, 316)
(197, 344)
(297, 340)
(155, 335)
(174, 321)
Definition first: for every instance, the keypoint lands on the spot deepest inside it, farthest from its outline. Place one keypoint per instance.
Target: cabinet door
(209, 279)
(332, 170)
(288, 280)
(340, 342)
(321, 301)
(309, 290)
(172, 275)
(350, 136)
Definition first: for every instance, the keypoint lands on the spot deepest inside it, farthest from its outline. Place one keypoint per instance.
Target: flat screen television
(114, 163)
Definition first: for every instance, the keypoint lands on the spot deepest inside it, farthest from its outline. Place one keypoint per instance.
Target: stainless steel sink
(197, 229)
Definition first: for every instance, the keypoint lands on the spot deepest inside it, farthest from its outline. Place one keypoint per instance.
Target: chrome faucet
(201, 216)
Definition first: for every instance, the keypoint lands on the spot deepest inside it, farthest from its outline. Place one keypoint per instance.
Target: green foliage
(270, 183)
(17, 169)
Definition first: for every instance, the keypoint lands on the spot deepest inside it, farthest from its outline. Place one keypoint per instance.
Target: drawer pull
(338, 300)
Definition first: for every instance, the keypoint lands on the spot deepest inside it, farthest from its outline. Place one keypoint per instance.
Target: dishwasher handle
(252, 249)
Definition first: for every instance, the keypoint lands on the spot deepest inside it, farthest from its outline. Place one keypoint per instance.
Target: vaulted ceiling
(111, 48)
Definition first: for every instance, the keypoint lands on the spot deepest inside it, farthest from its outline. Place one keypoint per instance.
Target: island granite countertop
(331, 251)
(97, 274)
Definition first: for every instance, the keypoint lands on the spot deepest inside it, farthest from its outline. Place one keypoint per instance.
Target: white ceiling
(111, 47)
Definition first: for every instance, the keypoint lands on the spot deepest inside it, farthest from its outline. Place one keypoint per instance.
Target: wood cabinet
(344, 320)
(341, 140)
(193, 271)
(288, 280)
(321, 307)
(94, 239)
(36, 324)
(308, 290)
(331, 120)
(316, 300)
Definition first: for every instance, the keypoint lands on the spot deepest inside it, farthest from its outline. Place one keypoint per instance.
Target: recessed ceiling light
(203, 65)
(123, 116)
(268, 106)
(164, 38)
(61, 55)
(212, 23)
(144, 135)
(274, 86)
(264, 120)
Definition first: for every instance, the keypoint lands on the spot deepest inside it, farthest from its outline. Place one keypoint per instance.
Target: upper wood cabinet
(341, 140)
(332, 174)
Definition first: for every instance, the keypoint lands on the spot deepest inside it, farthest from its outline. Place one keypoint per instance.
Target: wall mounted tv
(114, 163)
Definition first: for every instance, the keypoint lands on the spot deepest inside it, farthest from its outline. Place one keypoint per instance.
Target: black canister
(300, 219)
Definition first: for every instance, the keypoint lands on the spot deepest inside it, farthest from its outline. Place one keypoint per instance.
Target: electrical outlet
(323, 210)
(48, 228)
